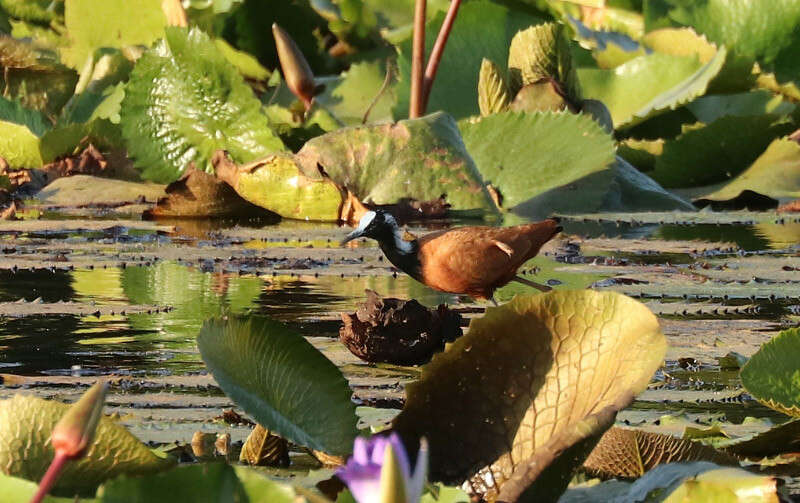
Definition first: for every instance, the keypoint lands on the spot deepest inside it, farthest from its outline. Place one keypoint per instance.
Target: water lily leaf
(771, 374)
(456, 88)
(281, 380)
(706, 154)
(17, 490)
(419, 158)
(542, 52)
(86, 34)
(649, 84)
(183, 102)
(493, 94)
(25, 449)
(677, 482)
(497, 405)
(19, 146)
(348, 97)
(628, 453)
(262, 489)
(204, 482)
(277, 183)
(709, 108)
(776, 174)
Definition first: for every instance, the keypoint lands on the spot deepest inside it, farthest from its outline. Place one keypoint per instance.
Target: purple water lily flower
(363, 470)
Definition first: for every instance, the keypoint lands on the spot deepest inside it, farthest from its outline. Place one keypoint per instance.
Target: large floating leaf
(771, 375)
(280, 379)
(706, 154)
(124, 22)
(25, 449)
(776, 174)
(649, 84)
(539, 162)
(420, 159)
(628, 453)
(456, 87)
(682, 482)
(526, 372)
(183, 102)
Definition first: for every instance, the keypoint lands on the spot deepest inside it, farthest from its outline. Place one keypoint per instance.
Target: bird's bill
(353, 235)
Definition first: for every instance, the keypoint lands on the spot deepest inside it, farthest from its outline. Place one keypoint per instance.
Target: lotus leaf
(771, 375)
(87, 34)
(456, 87)
(280, 379)
(526, 372)
(628, 453)
(25, 450)
(776, 174)
(418, 158)
(183, 102)
(649, 84)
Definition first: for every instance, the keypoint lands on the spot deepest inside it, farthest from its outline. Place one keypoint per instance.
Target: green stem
(50, 477)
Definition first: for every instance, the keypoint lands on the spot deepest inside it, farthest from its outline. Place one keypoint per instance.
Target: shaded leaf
(628, 453)
(348, 97)
(497, 404)
(117, 29)
(706, 154)
(184, 101)
(85, 190)
(25, 450)
(649, 84)
(281, 380)
(262, 489)
(776, 174)
(198, 194)
(493, 94)
(418, 159)
(205, 482)
(771, 374)
(15, 112)
(247, 65)
(37, 11)
(456, 88)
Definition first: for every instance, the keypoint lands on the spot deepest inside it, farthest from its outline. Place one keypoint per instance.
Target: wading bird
(465, 260)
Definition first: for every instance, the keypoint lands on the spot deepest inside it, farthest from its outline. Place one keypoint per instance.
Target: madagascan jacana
(465, 260)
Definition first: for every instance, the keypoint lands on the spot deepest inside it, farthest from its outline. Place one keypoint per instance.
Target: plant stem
(416, 107)
(438, 50)
(50, 477)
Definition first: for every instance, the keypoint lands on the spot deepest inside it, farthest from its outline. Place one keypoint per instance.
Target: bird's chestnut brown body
(466, 260)
(477, 260)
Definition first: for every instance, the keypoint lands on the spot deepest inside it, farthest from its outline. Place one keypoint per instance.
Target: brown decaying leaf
(10, 212)
(628, 453)
(176, 16)
(264, 448)
(402, 332)
(197, 194)
(790, 207)
(525, 373)
(89, 162)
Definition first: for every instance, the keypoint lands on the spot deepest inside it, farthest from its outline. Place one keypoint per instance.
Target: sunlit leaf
(25, 450)
(526, 372)
(542, 52)
(205, 482)
(125, 22)
(455, 90)
(17, 490)
(628, 453)
(771, 374)
(281, 380)
(649, 84)
(247, 65)
(420, 159)
(184, 101)
(19, 146)
(493, 94)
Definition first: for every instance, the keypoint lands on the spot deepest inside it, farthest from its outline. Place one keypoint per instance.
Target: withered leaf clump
(264, 448)
(403, 332)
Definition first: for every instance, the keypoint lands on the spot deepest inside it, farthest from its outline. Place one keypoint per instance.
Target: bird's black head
(378, 225)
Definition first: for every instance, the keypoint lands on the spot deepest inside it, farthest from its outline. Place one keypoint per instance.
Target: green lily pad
(455, 90)
(281, 380)
(776, 174)
(247, 65)
(183, 102)
(205, 482)
(124, 22)
(706, 154)
(25, 450)
(649, 84)
(419, 158)
(771, 375)
(497, 405)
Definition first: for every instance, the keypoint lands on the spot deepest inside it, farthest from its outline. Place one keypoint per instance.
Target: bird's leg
(541, 288)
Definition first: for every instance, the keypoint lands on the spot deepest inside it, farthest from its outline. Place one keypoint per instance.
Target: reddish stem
(50, 478)
(416, 107)
(438, 50)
